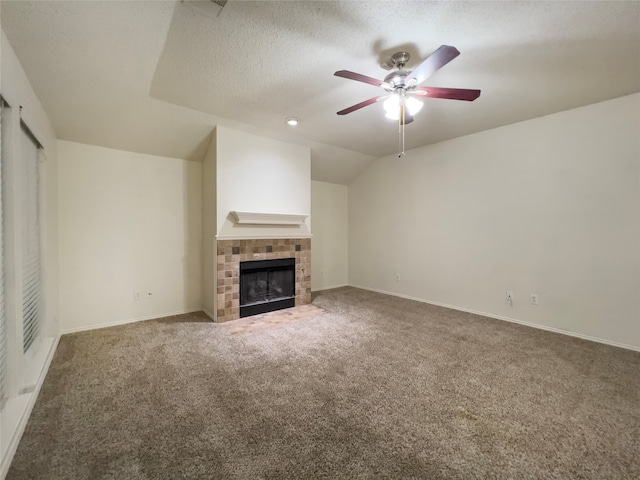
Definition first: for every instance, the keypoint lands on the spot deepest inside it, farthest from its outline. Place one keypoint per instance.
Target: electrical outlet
(397, 277)
(534, 299)
(149, 294)
(136, 295)
(509, 297)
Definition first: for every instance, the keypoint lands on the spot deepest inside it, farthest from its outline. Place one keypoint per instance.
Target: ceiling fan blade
(358, 106)
(359, 78)
(432, 63)
(407, 119)
(448, 93)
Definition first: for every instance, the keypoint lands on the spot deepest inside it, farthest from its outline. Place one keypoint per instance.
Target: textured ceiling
(156, 76)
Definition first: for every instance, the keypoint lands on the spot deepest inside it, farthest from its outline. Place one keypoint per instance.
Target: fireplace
(232, 252)
(267, 285)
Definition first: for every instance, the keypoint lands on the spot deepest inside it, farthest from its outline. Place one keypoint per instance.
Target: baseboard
(209, 314)
(507, 319)
(26, 411)
(129, 320)
(330, 288)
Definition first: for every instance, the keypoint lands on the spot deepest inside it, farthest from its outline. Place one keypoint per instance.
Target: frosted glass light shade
(413, 105)
(392, 106)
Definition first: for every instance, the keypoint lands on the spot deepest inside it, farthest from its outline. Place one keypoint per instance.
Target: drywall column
(209, 226)
(329, 211)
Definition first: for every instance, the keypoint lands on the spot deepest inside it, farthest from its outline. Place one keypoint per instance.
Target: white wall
(258, 174)
(329, 246)
(547, 206)
(25, 372)
(128, 222)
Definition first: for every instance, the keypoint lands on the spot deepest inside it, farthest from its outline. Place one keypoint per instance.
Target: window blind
(32, 284)
(3, 336)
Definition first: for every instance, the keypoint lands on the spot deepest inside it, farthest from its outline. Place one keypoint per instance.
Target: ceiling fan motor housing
(397, 79)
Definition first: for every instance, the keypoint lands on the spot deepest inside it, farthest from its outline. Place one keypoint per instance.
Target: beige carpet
(373, 387)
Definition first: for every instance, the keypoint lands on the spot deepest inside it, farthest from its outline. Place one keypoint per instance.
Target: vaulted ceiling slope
(157, 76)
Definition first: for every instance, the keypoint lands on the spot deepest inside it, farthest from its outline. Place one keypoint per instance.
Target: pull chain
(400, 135)
(401, 131)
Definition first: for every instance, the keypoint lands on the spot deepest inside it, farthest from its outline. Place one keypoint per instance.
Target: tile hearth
(231, 252)
(273, 319)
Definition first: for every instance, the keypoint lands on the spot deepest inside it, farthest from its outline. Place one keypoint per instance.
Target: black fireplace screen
(266, 285)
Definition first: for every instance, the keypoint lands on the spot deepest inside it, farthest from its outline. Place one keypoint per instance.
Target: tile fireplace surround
(231, 252)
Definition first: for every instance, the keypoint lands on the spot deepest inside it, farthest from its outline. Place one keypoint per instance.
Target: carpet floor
(372, 386)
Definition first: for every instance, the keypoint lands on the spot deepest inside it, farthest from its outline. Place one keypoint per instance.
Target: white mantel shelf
(263, 237)
(257, 218)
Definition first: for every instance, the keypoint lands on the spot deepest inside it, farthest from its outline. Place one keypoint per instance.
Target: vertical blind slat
(31, 301)
(3, 357)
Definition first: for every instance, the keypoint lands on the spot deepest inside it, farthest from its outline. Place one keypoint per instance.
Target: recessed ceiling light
(293, 121)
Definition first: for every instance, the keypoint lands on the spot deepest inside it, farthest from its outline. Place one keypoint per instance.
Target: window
(24, 350)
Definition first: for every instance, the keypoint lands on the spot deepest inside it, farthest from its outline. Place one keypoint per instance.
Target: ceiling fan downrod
(401, 124)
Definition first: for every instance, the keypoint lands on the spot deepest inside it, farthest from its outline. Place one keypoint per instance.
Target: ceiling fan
(403, 86)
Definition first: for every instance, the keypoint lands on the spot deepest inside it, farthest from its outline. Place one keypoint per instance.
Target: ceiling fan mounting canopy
(398, 59)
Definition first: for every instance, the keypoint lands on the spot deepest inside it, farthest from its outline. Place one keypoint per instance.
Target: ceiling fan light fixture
(413, 105)
(292, 121)
(391, 105)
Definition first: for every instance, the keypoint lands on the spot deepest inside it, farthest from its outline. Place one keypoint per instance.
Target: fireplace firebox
(267, 285)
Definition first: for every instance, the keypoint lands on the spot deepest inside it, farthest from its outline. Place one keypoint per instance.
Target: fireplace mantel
(259, 236)
(259, 218)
